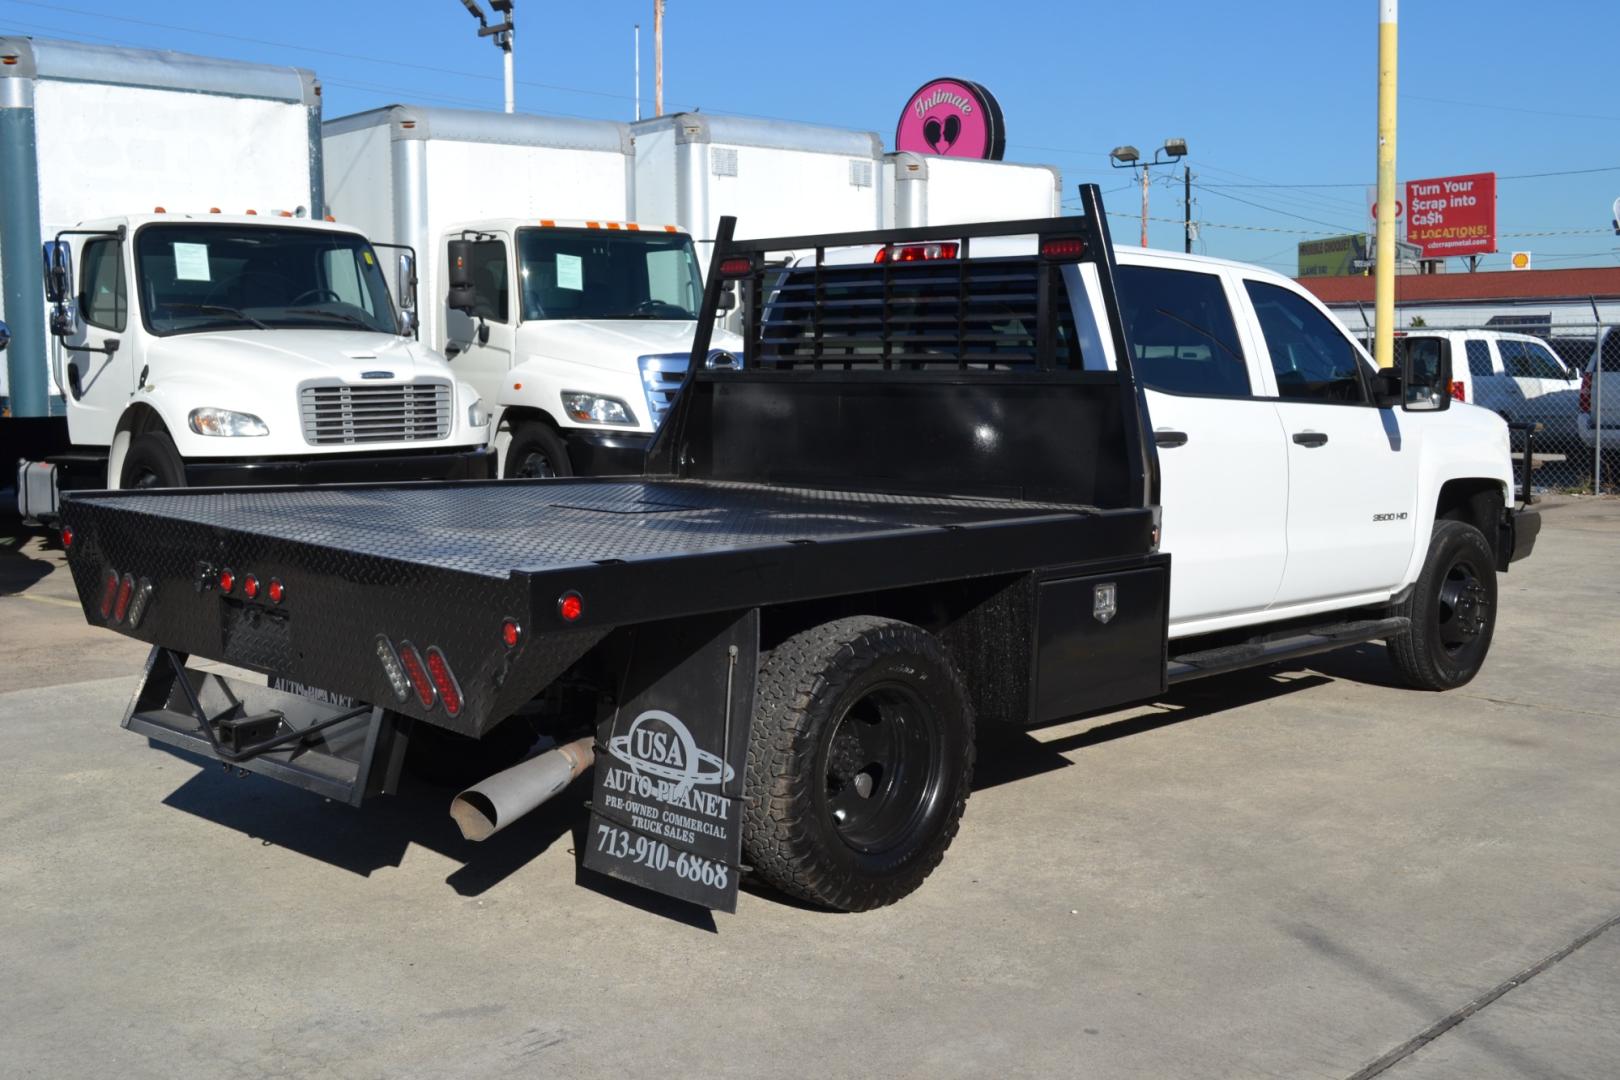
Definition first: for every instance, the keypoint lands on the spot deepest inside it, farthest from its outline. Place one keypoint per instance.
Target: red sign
(953, 117)
(1452, 215)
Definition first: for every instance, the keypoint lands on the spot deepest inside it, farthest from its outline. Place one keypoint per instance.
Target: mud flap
(340, 751)
(666, 807)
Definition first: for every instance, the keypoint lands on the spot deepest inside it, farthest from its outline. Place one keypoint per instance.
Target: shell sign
(952, 117)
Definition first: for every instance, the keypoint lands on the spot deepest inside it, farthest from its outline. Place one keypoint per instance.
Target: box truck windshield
(590, 274)
(195, 278)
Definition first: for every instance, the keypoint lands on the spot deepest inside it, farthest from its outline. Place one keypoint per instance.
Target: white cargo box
(404, 174)
(778, 178)
(95, 131)
(924, 189)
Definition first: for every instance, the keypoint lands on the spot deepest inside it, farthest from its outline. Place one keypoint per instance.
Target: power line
(1510, 108)
(1284, 213)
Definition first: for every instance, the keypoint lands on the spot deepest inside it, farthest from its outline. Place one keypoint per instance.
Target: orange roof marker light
(669, 228)
(253, 212)
(632, 226)
(159, 210)
(592, 225)
(613, 225)
(548, 223)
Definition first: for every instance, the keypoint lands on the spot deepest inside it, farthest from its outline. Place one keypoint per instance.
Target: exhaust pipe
(491, 805)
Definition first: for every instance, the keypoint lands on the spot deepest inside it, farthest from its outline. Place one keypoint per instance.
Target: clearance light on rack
(737, 266)
(1063, 248)
(444, 681)
(905, 253)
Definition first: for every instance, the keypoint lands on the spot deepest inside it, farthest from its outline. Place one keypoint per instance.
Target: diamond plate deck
(496, 529)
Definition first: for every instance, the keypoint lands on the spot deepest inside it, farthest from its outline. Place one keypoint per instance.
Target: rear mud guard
(338, 750)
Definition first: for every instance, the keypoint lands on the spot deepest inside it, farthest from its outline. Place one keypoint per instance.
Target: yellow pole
(1384, 266)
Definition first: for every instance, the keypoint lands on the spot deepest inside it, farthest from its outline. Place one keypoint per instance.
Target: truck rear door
(1223, 466)
(1352, 467)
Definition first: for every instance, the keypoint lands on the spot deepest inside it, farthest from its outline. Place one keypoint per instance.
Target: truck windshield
(197, 277)
(592, 274)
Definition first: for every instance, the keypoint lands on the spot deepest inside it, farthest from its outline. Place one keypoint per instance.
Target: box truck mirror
(58, 271)
(462, 296)
(728, 296)
(405, 281)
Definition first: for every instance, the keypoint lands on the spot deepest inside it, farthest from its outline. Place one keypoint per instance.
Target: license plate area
(344, 752)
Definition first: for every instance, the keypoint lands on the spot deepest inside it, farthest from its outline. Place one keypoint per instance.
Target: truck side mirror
(405, 290)
(728, 296)
(58, 271)
(5, 336)
(1425, 366)
(462, 297)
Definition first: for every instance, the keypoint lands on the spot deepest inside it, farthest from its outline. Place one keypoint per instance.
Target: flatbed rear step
(1304, 642)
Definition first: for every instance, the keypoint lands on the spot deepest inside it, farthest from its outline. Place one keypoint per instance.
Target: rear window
(1611, 352)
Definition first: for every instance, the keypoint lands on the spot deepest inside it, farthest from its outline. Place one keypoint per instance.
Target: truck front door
(480, 345)
(1352, 467)
(98, 381)
(1223, 470)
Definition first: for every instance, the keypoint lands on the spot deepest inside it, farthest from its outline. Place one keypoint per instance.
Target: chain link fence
(1548, 380)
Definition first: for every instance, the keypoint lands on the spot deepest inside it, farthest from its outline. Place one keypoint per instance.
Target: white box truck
(173, 310)
(573, 321)
(776, 177)
(926, 189)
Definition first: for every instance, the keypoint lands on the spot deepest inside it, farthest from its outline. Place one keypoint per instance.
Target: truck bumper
(1517, 535)
(610, 453)
(459, 464)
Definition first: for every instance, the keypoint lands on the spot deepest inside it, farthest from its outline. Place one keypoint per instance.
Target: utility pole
(1144, 204)
(638, 71)
(658, 57)
(1384, 260)
(1186, 208)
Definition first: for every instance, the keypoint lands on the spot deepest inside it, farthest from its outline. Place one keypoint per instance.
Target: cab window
(489, 280)
(1311, 356)
(1182, 335)
(103, 296)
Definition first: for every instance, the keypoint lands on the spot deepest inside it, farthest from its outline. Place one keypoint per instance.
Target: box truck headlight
(477, 416)
(224, 422)
(595, 409)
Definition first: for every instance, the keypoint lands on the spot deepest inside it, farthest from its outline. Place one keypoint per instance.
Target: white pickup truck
(1298, 489)
(207, 349)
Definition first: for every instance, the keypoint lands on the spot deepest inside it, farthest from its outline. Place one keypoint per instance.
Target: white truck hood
(298, 355)
(612, 343)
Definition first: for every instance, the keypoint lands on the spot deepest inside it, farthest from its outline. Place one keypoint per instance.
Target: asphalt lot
(1301, 872)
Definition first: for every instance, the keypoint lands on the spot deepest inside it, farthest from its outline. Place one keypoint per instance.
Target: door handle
(1311, 438)
(1167, 438)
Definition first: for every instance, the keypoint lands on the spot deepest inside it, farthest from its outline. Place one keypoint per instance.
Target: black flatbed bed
(498, 529)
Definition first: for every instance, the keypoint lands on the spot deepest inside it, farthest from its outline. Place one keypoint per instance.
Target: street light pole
(502, 35)
(1384, 261)
(1186, 209)
(1128, 157)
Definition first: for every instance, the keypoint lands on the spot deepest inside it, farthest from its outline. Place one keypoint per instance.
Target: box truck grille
(662, 376)
(338, 413)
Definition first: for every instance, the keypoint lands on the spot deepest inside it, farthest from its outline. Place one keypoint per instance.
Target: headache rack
(992, 310)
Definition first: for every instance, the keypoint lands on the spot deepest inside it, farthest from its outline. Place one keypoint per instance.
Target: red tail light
(417, 673)
(917, 252)
(67, 537)
(1458, 390)
(250, 587)
(109, 592)
(126, 592)
(511, 633)
(444, 680)
(276, 591)
(570, 605)
(227, 581)
(1586, 391)
(737, 266)
(1061, 248)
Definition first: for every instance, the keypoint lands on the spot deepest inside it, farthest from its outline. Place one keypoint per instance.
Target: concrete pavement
(1288, 873)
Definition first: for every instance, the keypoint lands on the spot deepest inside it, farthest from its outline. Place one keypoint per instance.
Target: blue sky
(1269, 93)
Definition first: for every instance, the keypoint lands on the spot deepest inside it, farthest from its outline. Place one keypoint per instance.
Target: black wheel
(445, 759)
(859, 763)
(536, 450)
(1452, 608)
(152, 462)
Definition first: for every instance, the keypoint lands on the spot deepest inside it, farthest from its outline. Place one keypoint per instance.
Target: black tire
(1452, 608)
(860, 763)
(536, 450)
(152, 462)
(445, 759)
